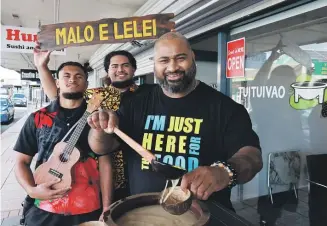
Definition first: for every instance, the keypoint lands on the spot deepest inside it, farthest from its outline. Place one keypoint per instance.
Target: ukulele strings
(80, 125)
(68, 149)
(61, 157)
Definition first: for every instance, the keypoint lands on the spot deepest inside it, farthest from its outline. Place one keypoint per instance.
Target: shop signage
(308, 92)
(110, 30)
(320, 67)
(235, 58)
(32, 75)
(270, 92)
(21, 40)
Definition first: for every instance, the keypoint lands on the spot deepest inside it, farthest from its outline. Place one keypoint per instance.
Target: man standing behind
(186, 123)
(41, 132)
(120, 67)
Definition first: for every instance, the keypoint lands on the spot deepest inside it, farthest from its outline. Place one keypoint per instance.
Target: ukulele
(65, 155)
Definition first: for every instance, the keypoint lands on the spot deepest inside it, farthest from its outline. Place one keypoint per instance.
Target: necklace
(68, 115)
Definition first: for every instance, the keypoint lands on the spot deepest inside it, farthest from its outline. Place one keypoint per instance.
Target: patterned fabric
(112, 97)
(111, 94)
(112, 101)
(84, 197)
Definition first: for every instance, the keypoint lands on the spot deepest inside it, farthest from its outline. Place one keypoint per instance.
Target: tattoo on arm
(247, 162)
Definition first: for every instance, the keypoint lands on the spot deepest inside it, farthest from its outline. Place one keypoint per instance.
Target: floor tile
(11, 221)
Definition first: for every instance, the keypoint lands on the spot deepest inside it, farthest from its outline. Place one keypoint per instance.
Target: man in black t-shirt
(188, 124)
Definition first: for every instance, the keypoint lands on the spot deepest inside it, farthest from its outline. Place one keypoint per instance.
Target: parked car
(7, 110)
(19, 99)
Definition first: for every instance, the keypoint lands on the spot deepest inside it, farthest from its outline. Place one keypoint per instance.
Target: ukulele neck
(77, 132)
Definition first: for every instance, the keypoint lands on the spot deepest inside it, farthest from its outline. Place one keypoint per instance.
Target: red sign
(235, 58)
(21, 40)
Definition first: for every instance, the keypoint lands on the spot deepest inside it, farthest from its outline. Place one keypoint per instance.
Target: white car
(19, 99)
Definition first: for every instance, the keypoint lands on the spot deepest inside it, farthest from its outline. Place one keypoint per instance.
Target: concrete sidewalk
(12, 194)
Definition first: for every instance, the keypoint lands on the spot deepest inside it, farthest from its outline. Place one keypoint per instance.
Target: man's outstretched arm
(41, 60)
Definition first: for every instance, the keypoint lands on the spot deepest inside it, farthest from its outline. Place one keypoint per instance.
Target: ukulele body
(57, 167)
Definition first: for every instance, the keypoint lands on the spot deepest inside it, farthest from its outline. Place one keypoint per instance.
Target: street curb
(12, 129)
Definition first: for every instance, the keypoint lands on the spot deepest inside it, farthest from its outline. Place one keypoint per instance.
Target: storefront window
(285, 92)
(206, 60)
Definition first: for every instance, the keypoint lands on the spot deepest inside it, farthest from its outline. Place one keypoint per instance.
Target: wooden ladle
(168, 171)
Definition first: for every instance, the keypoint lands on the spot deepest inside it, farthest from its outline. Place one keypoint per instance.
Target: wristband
(230, 170)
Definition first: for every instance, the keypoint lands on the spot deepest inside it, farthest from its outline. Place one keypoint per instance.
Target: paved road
(19, 113)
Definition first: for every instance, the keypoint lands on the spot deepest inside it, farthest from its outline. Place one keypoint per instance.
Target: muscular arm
(101, 142)
(106, 180)
(48, 82)
(247, 162)
(24, 173)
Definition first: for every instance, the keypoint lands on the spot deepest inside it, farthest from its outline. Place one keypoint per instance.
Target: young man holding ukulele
(80, 202)
(120, 67)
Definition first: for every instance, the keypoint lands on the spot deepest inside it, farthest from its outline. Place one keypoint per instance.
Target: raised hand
(41, 57)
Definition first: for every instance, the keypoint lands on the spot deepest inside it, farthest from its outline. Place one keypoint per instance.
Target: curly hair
(127, 54)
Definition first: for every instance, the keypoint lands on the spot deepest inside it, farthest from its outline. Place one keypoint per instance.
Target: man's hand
(205, 180)
(104, 214)
(44, 191)
(41, 57)
(100, 136)
(103, 120)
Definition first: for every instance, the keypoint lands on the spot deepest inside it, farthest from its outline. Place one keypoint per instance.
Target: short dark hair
(72, 63)
(127, 54)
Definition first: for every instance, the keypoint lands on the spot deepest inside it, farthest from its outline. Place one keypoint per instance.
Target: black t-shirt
(46, 127)
(196, 130)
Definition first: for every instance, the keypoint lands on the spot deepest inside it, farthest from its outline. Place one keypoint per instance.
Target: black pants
(38, 217)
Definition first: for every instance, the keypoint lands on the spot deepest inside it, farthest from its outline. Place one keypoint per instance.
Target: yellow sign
(58, 36)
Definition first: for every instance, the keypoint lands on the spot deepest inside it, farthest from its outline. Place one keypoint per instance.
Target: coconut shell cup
(178, 202)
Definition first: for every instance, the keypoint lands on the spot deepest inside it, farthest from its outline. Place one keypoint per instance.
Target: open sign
(235, 58)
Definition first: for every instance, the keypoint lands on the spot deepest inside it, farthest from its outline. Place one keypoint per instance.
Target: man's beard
(181, 85)
(123, 84)
(119, 84)
(73, 96)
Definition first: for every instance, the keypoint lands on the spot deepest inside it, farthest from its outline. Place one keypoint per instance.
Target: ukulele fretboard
(76, 134)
